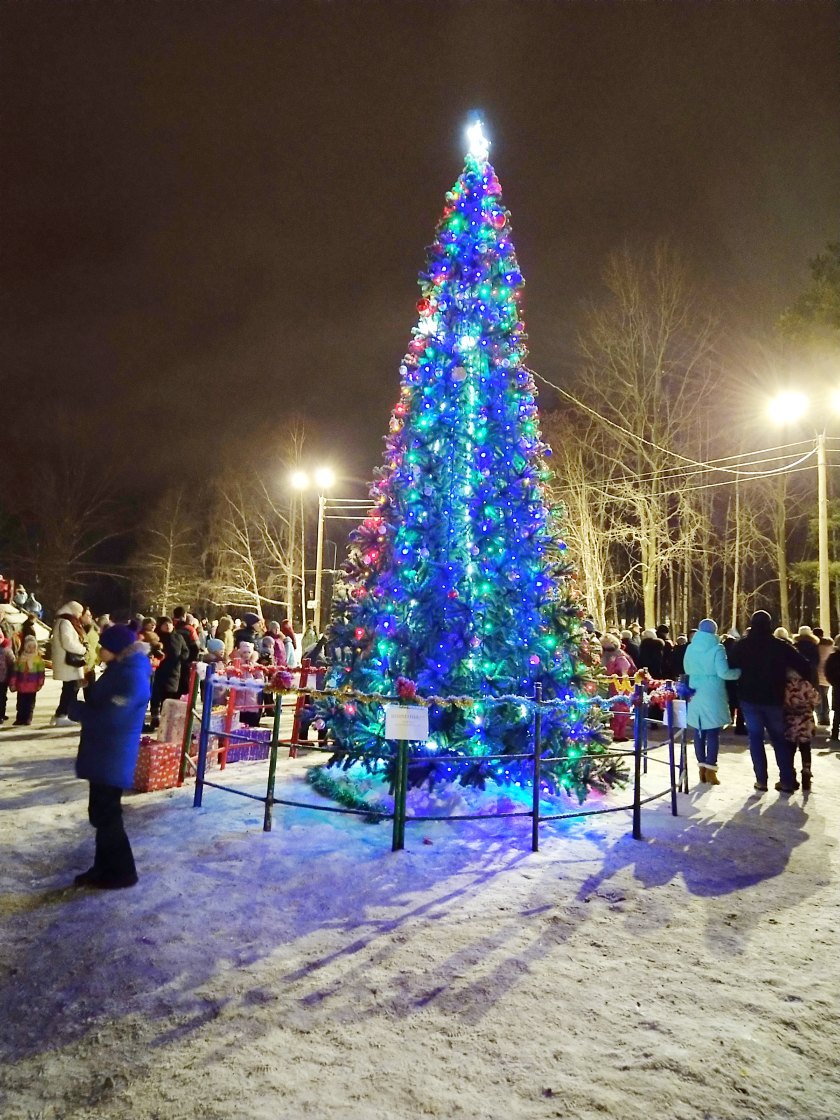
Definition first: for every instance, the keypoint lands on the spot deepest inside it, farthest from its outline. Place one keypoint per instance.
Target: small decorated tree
(458, 579)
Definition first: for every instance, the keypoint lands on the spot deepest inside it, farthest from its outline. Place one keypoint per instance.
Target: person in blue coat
(111, 716)
(707, 668)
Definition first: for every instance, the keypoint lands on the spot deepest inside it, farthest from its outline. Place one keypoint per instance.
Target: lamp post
(300, 481)
(323, 479)
(822, 535)
(787, 408)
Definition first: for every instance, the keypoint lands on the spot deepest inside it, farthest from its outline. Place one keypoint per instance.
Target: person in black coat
(832, 675)
(181, 626)
(630, 646)
(250, 631)
(740, 728)
(668, 671)
(808, 644)
(764, 661)
(678, 656)
(651, 653)
(167, 679)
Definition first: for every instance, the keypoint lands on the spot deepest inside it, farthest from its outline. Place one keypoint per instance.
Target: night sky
(214, 213)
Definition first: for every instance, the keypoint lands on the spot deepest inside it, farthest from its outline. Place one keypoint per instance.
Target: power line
(702, 467)
(666, 472)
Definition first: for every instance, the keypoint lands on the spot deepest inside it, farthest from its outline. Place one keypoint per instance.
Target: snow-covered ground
(310, 972)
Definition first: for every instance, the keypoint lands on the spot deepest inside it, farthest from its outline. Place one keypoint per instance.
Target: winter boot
(711, 776)
(702, 770)
(806, 779)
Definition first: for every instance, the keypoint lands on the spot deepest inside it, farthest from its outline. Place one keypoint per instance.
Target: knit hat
(805, 632)
(72, 607)
(649, 634)
(707, 626)
(627, 635)
(215, 645)
(250, 619)
(761, 623)
(117, 638)
(780, 632)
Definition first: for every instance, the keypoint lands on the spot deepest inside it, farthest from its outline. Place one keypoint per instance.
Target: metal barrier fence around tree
(643, 753)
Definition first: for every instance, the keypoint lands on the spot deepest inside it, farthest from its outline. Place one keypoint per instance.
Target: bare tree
(256, 551)
(590, 532)
(648, 369)
(61, 504)
(166, 566)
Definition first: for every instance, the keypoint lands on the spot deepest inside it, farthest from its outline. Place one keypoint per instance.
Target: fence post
(669, 716)
(203, 737)
(192, 693)
(272, 763)
(535, 811)
(638, 726)
(683, 762)
(398, 841)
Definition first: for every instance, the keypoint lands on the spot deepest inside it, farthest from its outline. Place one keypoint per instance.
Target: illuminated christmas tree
(457, 579)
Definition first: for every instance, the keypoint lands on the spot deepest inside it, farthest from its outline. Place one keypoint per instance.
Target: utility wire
(667, 472)
(649, 443)
(683, 490)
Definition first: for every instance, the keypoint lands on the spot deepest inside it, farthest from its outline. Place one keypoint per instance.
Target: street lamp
(323, 479)
(787, 408)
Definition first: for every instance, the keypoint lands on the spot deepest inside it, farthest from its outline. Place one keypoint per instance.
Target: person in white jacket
(66, 648)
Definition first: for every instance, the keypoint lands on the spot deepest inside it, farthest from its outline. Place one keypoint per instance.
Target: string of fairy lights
(457, 577)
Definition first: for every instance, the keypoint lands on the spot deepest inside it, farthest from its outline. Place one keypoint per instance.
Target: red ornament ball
(498, 219)
(424, 306)
(453, 594)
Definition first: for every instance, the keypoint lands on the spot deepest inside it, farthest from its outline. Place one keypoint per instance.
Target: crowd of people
(767, 684)
(172, 645)
(115, 673)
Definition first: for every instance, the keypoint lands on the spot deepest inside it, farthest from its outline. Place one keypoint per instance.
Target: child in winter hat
(215, 651)
(27, 680)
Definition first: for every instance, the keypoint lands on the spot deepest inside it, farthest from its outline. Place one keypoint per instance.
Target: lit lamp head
(324, 478)
(788, 407)
(299, 480)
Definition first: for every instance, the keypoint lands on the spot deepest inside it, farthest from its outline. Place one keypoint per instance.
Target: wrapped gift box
(158, 764)
(240, 751)
(173, 720)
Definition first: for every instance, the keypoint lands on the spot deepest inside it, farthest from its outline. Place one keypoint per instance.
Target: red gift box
(158, 765)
